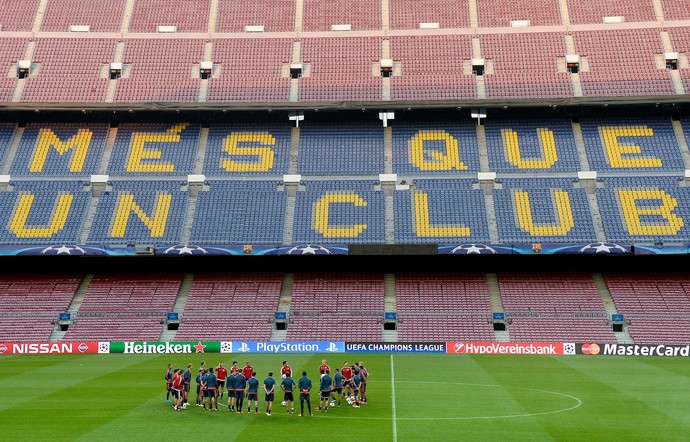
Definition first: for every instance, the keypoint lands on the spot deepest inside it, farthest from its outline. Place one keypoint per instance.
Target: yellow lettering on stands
(423, 224)
(448, 160)
(616, 151)
(660, 204)
(563, 212)
(47, 139)
(547, 143)
(57, 221)
(265, 155)
(138, 152)
(126, 205)
(321, 211)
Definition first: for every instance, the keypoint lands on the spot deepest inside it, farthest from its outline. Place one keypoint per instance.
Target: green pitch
(411, 398)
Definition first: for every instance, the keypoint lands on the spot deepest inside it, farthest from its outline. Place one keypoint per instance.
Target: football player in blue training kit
(304, 385)
(240, 385)
(337, 392)
(288, 385)
(168, 382)
(325, 388)
(253, 393)
(269, 389)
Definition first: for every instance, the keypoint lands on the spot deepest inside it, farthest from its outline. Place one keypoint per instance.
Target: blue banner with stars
(599, 248)
(66, 250)
(250, 249)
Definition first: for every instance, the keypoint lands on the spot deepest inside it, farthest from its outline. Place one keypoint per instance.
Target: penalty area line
(395, 417)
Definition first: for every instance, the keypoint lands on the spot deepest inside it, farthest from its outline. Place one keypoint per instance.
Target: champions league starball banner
(670, 249)
(66, 250)
(250, 250)
(599, 248)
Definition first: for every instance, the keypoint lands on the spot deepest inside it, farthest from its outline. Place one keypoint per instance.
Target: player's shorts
(347, 383)
(270, 397)
(338, 390)
(363, 388)
(186, 388)
(325, 394)
(198, 389)
(288, 396)
(221, 384)
(239, 394)
(355, 391)
(169, 386)
(177, 394)
(252, 396)
(231, 392)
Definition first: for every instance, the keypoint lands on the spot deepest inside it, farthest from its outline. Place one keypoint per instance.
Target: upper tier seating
(525, 65)
(406, 14)
(594, 11)
(186, 15)
(11, 50)
(160, 70)
(259, 77)
(502, 13)
(98, 15)
(623, 62)
(341, 69)
(18, 15)
(273, 15)
(432, 68)
(362, 15)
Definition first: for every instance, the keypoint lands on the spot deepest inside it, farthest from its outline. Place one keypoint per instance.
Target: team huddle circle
(346, 385)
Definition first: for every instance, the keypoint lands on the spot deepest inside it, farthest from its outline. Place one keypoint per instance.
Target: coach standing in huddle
(304, 385)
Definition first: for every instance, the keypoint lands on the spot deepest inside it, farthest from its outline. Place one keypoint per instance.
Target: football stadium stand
(373, 127)
(328, 306)
(560, 307)
(223, 306)
(124, 307)
(31, 304)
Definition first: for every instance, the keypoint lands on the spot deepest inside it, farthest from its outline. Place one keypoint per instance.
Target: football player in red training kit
(247, 370)
(222, 376)
(346, 371)
(285, 370)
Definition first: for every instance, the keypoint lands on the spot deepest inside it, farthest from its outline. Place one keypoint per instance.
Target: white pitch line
(395, 417)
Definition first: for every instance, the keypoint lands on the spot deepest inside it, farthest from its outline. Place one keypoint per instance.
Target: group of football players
(348, 382)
